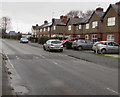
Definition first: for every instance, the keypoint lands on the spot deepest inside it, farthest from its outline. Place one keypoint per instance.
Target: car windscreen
(56, 42)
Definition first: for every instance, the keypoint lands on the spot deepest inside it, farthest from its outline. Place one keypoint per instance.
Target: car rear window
(56, 42)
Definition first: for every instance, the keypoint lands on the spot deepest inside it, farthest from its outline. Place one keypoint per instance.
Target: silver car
(103, 47)
(53, 44)
(82, 44)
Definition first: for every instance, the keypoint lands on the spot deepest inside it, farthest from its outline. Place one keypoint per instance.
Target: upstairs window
(69, 27)
(111, 21)
(87, 26)
(40, 30)
(44, 29)
(79, 27)
(48, 28)
(54, 27)
(94, 24)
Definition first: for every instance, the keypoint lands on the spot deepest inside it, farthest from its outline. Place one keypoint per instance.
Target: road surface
(37, 72)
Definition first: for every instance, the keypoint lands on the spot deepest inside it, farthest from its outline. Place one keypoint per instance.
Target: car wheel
(103, 51)
(80, 48)
(61, 50)
(44, 48)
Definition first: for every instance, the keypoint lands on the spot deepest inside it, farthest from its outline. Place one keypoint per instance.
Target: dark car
(82, 44)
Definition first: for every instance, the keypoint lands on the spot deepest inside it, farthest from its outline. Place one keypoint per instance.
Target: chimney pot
(117, 3)
(45, 22)
(99, 9)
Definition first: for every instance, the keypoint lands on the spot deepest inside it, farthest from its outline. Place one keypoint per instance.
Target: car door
(112, 47)
(89, 44)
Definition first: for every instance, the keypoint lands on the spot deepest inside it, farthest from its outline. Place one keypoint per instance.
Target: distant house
(12, 33)
(58, 27)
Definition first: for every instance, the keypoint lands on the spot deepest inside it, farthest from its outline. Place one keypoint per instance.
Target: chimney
(76, 17)
(53, 20)
(99, 9)
(36, 24)
(45, 22)
(65, 19)
(117, 3)
(61, 17)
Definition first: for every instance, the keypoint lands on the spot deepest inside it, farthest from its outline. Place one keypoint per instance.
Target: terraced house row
(99, 26)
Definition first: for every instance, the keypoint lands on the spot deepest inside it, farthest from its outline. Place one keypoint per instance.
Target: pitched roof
(86, 19)
(34, 27)
(115, 7)
(59, 22)
(75, 21)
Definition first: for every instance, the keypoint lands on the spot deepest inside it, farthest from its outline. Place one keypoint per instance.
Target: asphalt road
(37, 72)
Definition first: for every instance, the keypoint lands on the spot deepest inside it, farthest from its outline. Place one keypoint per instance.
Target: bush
(43, 39)
(33, 39)
(68, 45)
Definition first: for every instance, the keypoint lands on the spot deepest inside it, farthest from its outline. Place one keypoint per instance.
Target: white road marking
(17, 57)
(55, 62)
(112, 90)
(13, 67)
(42, 56)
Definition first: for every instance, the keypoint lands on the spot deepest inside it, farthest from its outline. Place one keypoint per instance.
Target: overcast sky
(24, 14)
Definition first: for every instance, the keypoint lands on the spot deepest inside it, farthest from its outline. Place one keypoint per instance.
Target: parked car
(103, 47)
(53, 44)
(82, 44)
(68, 40)
(24, 40)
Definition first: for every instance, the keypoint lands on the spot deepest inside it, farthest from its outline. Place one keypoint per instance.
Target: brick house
(58, 27)
(111, 23)
(74, 27)
(92, 27)
(44, 29)
(35, 30)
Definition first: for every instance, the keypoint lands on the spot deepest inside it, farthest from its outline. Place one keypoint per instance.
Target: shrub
(43, 39)
(68, 45)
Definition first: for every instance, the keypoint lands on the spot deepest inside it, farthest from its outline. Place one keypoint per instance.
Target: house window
(69, 27)
(48, 28)
(87, 37)
(44, 29)
(110, 38)
(79, 27)
(78, 36)
(111, 21)
(94, 24)
(54, 27)
(87, 26)
(94, 37)
(40, 30)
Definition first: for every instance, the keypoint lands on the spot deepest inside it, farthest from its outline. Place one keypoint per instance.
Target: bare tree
(79, 13)
(5, 23)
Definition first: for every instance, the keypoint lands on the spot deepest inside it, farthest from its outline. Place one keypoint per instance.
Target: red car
(68, 40)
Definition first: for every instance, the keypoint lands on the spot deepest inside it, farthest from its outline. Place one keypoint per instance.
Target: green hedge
(43, 39)
(68, 45)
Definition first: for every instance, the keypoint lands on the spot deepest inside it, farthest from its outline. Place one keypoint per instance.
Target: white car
(103, 47)
(53, 44)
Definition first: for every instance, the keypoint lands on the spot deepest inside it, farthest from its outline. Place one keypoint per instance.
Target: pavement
(109, 60)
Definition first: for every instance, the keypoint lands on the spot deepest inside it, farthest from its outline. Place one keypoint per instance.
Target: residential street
(38, 72)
